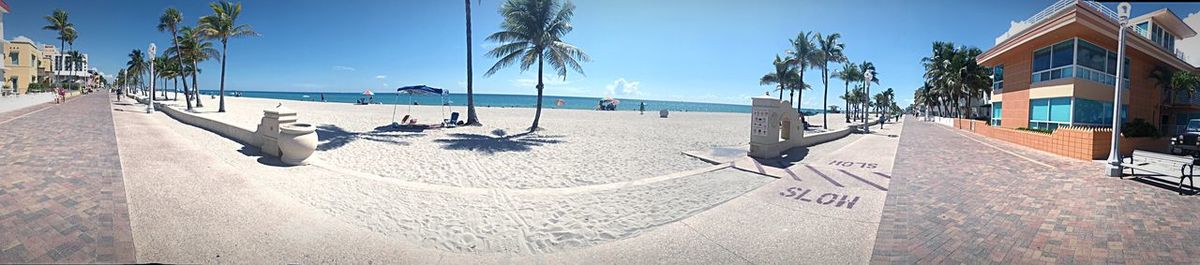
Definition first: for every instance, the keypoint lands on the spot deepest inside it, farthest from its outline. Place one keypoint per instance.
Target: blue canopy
(422, 89)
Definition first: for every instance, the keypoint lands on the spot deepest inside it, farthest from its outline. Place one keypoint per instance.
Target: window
(1091, 56)
(996, 107)
(16, 60)
(1092, 112)
(1064, 54)
(1041, 59)
(1049, 113)
(1054, 62)
(998, 79)
(1145, 27)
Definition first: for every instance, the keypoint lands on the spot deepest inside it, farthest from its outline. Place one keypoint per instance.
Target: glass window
(996, 107)
(1064, 53)
(1041, 59)
(1145, 26)
(15, 59)
(1039, 109)
(1060, 109)
(1111, 64)
(1091, 56)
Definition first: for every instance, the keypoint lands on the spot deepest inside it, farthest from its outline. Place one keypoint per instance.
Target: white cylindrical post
(153, 50)
(1114, 155)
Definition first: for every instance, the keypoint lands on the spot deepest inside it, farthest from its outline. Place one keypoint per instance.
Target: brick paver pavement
(62, 197)
(957, 198)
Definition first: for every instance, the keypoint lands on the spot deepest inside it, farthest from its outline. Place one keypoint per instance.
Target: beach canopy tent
(422, 90)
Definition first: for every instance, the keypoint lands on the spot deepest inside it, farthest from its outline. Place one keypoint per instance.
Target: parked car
(1186, 143)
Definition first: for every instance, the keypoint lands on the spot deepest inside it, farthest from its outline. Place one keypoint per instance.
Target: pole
(1114, 155)
(150, 106)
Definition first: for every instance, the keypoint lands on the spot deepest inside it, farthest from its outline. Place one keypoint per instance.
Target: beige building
(23, 63)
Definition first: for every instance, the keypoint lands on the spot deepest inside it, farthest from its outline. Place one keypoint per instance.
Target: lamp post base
(1114, 170)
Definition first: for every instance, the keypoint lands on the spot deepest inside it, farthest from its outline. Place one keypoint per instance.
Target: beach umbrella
(417, 89)
(368, 93)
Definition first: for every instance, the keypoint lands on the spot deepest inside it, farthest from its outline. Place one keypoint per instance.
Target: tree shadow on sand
(498, 142)
(333, 137)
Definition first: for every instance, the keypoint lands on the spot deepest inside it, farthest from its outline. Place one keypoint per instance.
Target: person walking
(642, 108)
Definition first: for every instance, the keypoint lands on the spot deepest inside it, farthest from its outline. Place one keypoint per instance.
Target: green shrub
(1038, 130)
(1139, 128)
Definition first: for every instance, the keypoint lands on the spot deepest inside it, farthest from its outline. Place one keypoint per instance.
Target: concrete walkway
(62, 197)
(957, 197)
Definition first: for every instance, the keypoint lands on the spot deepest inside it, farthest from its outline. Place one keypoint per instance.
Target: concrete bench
(1181, 167)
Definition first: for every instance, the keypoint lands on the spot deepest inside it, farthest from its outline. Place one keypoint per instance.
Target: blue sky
(687, 50)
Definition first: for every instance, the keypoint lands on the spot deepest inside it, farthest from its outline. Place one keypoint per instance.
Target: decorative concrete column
(268, 128)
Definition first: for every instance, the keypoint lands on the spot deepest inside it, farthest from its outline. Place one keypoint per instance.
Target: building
(22, 60)
(71, 69)
(1058, 68)
(3, 10)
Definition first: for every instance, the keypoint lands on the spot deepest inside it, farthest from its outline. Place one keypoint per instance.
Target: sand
(589, 178)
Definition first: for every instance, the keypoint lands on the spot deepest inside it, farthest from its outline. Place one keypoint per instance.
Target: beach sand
(576, 147)
(589, 178)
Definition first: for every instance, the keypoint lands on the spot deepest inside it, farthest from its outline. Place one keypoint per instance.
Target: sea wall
(241, 135)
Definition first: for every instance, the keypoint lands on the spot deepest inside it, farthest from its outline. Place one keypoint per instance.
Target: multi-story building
(70, 69)
(1060, 69)
(22, 59)
(49, 52)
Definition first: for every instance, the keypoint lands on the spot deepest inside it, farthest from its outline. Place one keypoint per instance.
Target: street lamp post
(153, 51)
(867, 76)
(1114, 155)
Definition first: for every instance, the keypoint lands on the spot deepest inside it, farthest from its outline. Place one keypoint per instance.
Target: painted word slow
(853, 164)
(828, 198)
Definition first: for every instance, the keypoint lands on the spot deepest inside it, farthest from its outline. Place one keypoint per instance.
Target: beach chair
(453, 121)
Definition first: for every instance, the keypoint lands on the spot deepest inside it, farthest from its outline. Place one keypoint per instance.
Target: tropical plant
(135, 66)
(60, 22)
(849, 73)
(955, 76)
(803, 55)
(829, 51)
(532, 32)
(784, 76)
(74, 60)
(472, 118)
(169, 21)
(222, 25)
(195, 49)
(1185, 81)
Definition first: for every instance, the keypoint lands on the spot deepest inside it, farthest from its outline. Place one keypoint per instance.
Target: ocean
(497, 100)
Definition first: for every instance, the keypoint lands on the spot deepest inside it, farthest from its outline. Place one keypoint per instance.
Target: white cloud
(624, 86)
(381, 77)
(343, 68)
(1191, 46)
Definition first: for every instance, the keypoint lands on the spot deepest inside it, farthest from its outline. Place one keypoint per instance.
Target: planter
(297, 141)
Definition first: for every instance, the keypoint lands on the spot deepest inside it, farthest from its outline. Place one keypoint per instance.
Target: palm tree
(76, 61)
(163, 71)
(136, 64)
(73, 60)
(532, 32)
(59, 22)
(829, 50)
(194, 49)
(804, 54)
(784, 76)
(222, 25)
(472, 119)
(849, 73)
(169, 21)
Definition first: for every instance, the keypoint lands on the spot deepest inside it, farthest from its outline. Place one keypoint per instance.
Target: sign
(827, 198)
(759, 122)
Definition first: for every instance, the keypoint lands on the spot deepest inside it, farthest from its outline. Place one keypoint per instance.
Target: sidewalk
(62, 197)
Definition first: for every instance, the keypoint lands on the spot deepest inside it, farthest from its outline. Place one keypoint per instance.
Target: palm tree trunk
(224, 54)
(195, 86)
(176, 80)
(187, 95)
(847, 101)
(537, 116)
(799, 98)
(472, 119)
(825, 100)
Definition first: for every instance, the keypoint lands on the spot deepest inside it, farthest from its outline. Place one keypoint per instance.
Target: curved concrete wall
(239, 134)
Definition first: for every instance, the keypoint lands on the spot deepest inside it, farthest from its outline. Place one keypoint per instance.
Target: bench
(1162, 164)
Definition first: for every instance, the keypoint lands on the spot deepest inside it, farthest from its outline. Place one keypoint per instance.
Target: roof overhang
(4, 7)
(1167, 19)
(1093, 20)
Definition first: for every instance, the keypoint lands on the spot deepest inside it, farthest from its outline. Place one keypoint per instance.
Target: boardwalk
(62, 197)
(960, 198)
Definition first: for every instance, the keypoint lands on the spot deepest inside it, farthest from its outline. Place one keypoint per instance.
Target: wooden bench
(1162, 164)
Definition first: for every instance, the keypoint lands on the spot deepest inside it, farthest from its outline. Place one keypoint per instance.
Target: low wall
(820, 138)
(242, 135)
(949, 122)
(1086, 143)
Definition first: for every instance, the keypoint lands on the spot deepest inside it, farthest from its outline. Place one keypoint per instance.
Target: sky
(680, 50)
